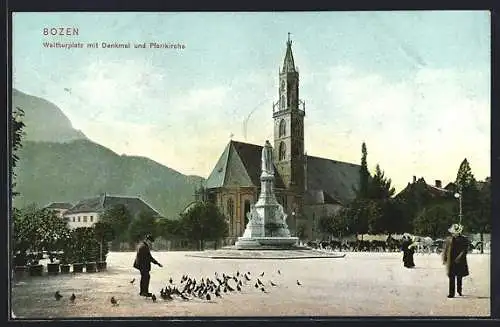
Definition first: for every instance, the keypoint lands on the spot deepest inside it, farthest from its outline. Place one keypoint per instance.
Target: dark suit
(455, 258)
(408, 252)
(142, 262)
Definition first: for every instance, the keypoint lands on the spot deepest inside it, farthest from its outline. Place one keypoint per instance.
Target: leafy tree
(169, 228)
(394, 218)
(140, 227)
(17, 133)
(103, 233)
(203, 222)
(119, 218)
(435, 220)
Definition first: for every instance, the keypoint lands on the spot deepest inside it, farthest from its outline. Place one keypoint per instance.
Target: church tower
(288, 115)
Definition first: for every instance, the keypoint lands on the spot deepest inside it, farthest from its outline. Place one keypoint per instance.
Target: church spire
(288, 64)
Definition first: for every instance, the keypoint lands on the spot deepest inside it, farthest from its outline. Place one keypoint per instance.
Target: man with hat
(143, 261)
(455, 258)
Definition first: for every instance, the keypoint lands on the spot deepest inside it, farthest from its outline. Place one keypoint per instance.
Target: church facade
(308, 187)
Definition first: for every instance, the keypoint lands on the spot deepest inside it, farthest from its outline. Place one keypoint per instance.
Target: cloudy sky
(415, 86)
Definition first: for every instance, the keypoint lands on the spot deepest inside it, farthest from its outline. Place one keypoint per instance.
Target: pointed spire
(288, 64)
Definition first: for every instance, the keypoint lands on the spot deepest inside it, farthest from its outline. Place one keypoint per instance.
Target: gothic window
(282, 130)
(283, 104)
(230, 213)
(282, 151)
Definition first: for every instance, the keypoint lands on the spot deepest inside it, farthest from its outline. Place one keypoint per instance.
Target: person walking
(143, 262)
(455, 259)
(408, 248)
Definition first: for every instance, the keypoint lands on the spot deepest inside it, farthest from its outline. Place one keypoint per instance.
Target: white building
(87, 212)
(60, 208)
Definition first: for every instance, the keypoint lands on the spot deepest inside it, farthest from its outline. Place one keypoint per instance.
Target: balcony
(301, 108)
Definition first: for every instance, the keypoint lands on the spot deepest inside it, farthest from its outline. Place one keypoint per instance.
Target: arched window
(230, 213)
(282, 130)
(283, 103)
(282, 151)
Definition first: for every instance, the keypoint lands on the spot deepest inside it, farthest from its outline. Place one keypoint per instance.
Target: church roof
(339, 180)
(59, 205)
(239, 165)
(328, 181)
(288, 63)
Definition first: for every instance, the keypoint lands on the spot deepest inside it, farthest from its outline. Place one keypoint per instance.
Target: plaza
(360, 284)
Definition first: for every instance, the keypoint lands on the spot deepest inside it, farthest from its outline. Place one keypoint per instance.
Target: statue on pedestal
(267, 159)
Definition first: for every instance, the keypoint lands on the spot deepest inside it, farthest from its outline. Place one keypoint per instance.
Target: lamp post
(458, 195)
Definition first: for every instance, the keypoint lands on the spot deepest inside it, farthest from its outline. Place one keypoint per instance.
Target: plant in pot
(88, 247)
(66, 256)
(103, 233)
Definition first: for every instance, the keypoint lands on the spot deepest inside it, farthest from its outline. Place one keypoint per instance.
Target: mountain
(71, 171)
(44, 120)
(60, 164)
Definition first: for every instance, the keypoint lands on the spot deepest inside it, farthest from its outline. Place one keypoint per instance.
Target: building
(431, 192)
(60, 208)
(87, 212)
(308, 187)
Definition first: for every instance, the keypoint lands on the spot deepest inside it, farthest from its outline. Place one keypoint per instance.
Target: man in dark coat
(143, 261)
(455, 259)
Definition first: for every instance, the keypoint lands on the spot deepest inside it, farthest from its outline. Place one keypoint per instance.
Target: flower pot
(101, 265)
(65, 268)
(78, 267)
(21, 271)
(91, 267)
(53, 268)
(36, 270)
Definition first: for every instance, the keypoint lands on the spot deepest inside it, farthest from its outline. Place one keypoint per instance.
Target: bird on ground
(217, 293)
(256, 285)
(153, 297)
(184, 297)
(114, 301)
(262, 275)
(132, 281)
(263, 290)
(208, 297)
(259, 282)
(72, 298)
(171, 280)
(238, 287)
(273, 284)
(279, 272)
(238, 273)
(58, 296)
(298, 283)
(247, 278)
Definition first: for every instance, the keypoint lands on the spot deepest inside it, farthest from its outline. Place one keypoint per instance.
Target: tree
(364, 174)
(145, 224)
(435, 220)
(17, 133)
(119, 218)
(473, 215)
(103, 233)
(203, 222)
(380, 186)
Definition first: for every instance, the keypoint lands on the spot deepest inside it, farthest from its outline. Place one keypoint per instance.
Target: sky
(413, 85)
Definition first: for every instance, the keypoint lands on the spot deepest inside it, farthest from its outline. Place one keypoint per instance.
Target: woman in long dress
(408, 248)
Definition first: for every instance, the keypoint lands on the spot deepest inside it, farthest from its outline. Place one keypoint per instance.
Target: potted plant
(78, 251)
(34, 266)
(65, 257)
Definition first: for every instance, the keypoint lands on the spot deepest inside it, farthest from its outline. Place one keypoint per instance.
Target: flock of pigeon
(206, 288)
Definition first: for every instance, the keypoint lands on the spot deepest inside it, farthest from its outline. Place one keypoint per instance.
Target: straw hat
(456, 229)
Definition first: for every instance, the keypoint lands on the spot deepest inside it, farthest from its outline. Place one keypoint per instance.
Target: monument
(267, 227)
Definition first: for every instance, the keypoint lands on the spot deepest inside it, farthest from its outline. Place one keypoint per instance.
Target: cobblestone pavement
(361, 284)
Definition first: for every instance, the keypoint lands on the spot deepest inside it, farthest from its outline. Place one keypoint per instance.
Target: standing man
(143, 261)
(455, 258)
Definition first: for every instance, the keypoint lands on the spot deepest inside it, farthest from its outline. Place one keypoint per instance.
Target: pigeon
(273, 284)
(113, 301)
(72, 298)
(153, 297)
(262, 275)
(238, 287)
(58, 296)
(208, 296)
(171, 280)
(263, 290)
(256, 285)
(259, 282)
(238, 273)
(132, 281)
(217, 293)
(279, 272)
(247, 278)
(298, 283)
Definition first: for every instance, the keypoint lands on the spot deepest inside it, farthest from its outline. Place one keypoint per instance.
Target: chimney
(438, 183)
(414, 179)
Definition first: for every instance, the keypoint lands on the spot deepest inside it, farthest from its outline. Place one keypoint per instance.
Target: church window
(230, 213)
(282, 151)
(282, 130)
(283, 104)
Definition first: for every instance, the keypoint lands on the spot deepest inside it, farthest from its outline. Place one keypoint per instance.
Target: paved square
(366, 284)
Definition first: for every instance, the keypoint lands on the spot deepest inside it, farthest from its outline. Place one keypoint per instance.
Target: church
(308, 187)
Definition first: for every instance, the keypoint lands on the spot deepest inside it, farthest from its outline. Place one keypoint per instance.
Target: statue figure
(267, 159)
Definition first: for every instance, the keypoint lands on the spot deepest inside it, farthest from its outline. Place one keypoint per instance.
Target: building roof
(288, 63)
(328, 181)
(239, 165)
(59, 205)
(134, 205)
(432, 190)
